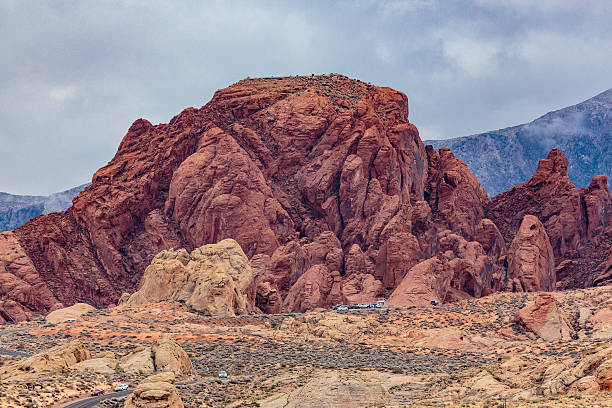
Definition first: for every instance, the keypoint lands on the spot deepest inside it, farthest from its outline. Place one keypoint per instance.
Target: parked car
(222, 374)
(70, 320)
(342, 308)
(97, 391)
(121, 387)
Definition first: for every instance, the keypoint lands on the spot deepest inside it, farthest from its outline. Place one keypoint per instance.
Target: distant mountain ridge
(502, 158)
(16, 210)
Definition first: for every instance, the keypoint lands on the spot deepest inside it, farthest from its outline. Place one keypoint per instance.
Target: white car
(222, 374)
(342, 308)
(121, 387)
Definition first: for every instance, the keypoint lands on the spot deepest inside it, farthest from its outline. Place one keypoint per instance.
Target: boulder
(317, 287)
(139, 361)
(215, 279)
(156, 391)
(71, 312)
(545, 318)
(490, 238)
(169, 356)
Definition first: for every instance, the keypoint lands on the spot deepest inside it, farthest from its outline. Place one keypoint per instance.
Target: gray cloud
(75, 74)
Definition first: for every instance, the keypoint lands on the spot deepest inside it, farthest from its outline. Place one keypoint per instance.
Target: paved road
(9, 352)
(91, 402)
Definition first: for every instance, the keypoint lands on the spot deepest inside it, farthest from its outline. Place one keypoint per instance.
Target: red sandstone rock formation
(323, 182)
(530, 259)
(461, 270)
(550, 196)
(454, 194)
(578, 222)
(295, 169)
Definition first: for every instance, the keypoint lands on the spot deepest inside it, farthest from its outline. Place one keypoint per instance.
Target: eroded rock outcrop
(577, 222)
(267, 162)
(454, 194)
(55, 360)
(163, 355)
(461, 270)
(22, 290)
(530, 259)
(215, 279)
(333, 389)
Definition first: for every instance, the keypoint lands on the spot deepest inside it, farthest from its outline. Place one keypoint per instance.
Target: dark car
(97, 391)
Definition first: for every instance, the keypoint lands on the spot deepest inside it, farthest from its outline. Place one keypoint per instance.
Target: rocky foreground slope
(527, 349)
(505, 157)
(330, 193)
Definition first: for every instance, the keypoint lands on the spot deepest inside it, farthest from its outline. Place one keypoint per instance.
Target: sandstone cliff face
(453, 193)
(22, 289)
(324, 184)
(215, 279)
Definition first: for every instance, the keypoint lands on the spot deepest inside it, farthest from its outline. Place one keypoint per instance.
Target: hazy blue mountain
(16, 210)
(503, 158)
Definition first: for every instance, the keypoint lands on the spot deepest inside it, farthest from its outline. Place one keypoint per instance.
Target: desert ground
(473, 353)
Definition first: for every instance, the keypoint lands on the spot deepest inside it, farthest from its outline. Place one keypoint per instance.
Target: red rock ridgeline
(578, 222)
(322, 181)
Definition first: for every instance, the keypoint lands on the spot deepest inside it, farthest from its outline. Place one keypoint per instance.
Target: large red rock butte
(326, 186)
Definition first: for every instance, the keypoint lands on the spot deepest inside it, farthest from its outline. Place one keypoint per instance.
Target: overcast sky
(75, 74)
